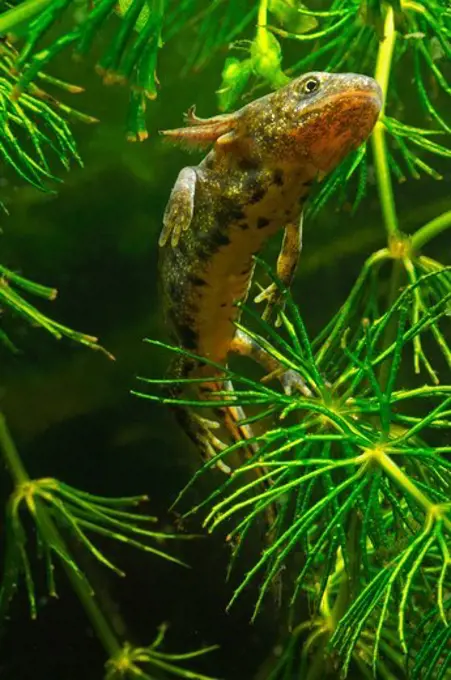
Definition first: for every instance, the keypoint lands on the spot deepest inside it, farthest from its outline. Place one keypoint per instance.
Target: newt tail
(253, 183)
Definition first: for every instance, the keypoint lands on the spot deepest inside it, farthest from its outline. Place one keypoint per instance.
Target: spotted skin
(253, 183)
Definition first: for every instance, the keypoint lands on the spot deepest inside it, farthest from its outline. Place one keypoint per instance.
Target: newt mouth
(375, 93)
(351, 98)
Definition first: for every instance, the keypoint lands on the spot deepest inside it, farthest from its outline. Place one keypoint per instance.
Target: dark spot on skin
(174, 291)
(309, 182)
(248, 164)
(243, 225)
(189, 365)
(197, 280)
(219, 239)
(229, 209)
(181, 246)
(257, 195)
(202, 249)
(188, 336)
(223, 304)
(227, 213)
(237, 214)
(202, 253)
(266, 139)
(278, 177)
(262, 222)
(182, 367)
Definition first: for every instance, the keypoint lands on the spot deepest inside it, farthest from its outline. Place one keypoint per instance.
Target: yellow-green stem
(51, 536)
(18, 15)
(382, 75)
(10, 455)
(262, 20)
(430, 230)
(389, 335)
(318, 665)
(81, 586)
(404, 482)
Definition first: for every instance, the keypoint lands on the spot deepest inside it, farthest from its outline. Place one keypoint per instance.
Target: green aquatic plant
(11, 299)
(131, 56)
(34, 126)
(59, 513)
(35, 130)
(352, 480)
(128, 662)
(356, 473)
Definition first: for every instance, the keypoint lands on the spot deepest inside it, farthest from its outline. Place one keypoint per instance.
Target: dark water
(70, 410)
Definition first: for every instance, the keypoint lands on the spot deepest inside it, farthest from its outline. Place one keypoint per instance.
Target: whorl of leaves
(344, 475)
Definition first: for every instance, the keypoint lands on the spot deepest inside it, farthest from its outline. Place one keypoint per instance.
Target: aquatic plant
(60, 513)
(358, 485)
(358, 472)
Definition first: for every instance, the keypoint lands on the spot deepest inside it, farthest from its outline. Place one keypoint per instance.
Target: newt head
(316, 120)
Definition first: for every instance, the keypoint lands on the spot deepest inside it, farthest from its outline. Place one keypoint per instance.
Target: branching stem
(51, 536)
(431, 230)
(262, 20)
(404, 481)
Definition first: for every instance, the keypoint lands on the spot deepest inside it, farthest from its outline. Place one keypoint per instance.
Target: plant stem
(81, 586)
(430, 230)
(10, 455)
(18, 15)
(391, 329)
(51, 536)
(382, 75)
(262, 20)
(318, 665)
(404, 481)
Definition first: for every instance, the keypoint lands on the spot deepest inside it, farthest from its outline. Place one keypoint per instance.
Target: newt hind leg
(290, 380)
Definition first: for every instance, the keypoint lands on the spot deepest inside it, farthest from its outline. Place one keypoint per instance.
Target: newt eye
(311, 85)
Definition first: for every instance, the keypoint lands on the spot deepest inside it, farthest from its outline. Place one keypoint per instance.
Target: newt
(254, 182)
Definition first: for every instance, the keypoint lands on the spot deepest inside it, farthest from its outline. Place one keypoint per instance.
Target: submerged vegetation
(357, 473)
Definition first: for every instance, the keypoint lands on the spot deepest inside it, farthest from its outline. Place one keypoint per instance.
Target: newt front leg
(286, 269)
(179, 211)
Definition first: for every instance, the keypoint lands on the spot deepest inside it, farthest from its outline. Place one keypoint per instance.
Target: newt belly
(252, 184)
